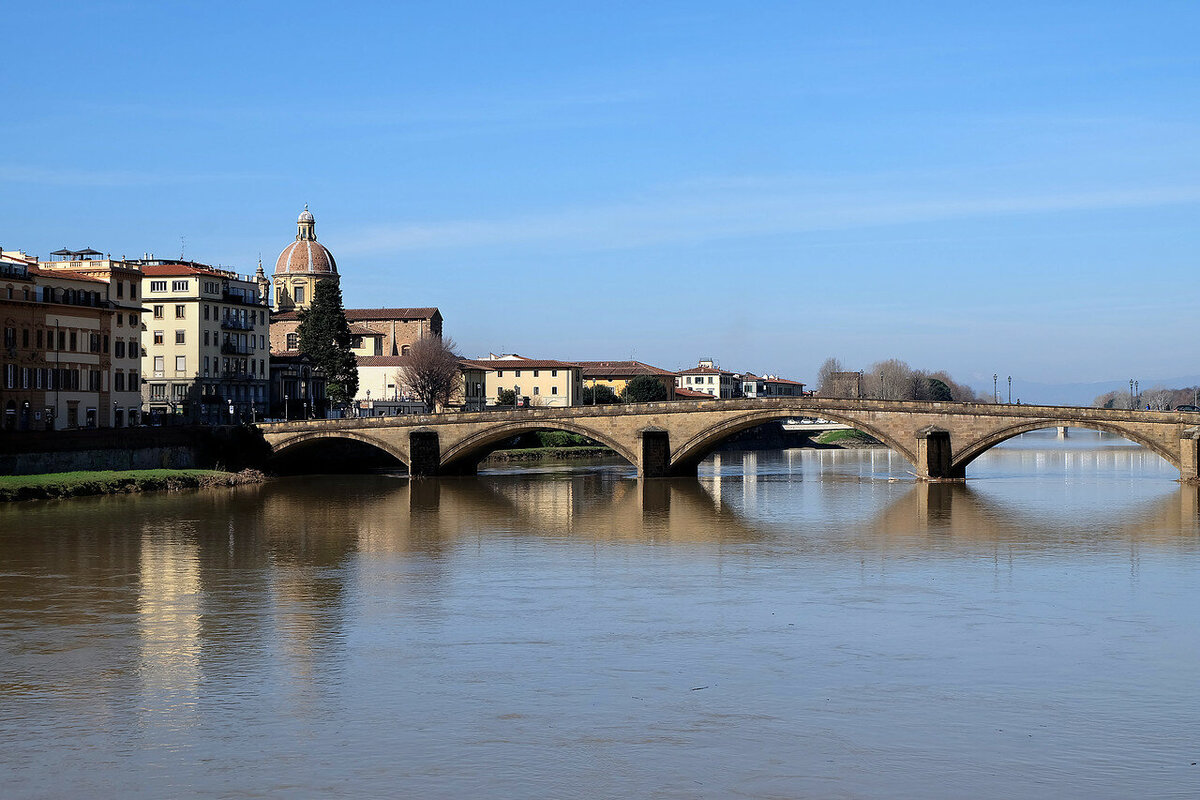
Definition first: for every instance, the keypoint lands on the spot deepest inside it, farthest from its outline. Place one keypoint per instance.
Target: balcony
(235, 324)
(231, 349)
(233, 297)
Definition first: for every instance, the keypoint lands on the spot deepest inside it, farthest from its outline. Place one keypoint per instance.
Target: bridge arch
(687, 455)
(965, 455)
(465, 454)
(292, 446)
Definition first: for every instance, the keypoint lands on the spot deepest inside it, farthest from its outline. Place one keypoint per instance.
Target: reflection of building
(617, 375)
(710, 379)
(206, 344)
(543, 381)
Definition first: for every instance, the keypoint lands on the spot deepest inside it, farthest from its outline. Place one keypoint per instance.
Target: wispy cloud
(745, 207)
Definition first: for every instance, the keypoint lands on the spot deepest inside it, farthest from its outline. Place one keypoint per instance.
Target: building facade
(536, 382)
(770, 386)
(206, 349)
(617, 374)
(710, 379)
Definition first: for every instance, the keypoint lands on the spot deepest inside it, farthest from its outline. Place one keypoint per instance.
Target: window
(158, 337)
(404, 350)
(39, 339)
(179, 391)
(118, 349)
(62, 340)
(553, 390)
(179, 337)
(10, 376)
(133, 319)
(536, 390)
(279, 296)
(120, 288)
(535, 374)
(118, 381)
(499, 373)
(298, 293)
(134, 350)
(179, 312)
(181, 363)
(179, 286)
(206, 310)
(206, 337)
(710, 378)
(132, 291)
(158, 312)
(293, 341)
(94, 343)
(553, 373)
(517, 373)
(74, 339)
(158, 364)
(158, 286)
(158, 391)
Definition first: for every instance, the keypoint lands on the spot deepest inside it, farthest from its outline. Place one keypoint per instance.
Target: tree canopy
(599, 395)
(432, 372)
(325, 339)
(644, 389)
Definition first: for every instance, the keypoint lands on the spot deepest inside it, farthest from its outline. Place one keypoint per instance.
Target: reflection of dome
(305, 255)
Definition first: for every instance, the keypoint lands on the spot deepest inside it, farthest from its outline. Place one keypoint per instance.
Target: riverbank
(546, 454)
(80, 484)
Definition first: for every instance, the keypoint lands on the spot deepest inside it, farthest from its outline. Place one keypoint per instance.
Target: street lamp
(287, 414)
(369, 412)
(995, 390)
(1010, 390)
(113, 420)
(1131, 393)
(1137, 392)
(231, 412)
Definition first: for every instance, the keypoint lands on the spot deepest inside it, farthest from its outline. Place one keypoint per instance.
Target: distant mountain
(1078, 394)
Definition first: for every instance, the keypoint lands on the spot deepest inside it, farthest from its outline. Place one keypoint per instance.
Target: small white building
(710, 379)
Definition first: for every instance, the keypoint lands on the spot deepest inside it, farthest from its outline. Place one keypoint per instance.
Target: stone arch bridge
(671, 438)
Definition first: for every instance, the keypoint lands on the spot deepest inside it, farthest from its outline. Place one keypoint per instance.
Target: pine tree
(325, 338)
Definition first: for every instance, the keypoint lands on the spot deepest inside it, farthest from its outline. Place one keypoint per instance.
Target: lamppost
(231, 411)
(1010, 390)
(1137, 393)
(112, 420)
(995, 390)
(286, 410)
(369, 414)
(1131, 393)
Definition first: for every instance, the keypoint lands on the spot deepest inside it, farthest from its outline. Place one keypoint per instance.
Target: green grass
(75, 484)
(833, 437)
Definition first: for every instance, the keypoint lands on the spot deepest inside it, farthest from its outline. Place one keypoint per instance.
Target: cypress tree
(325, 338)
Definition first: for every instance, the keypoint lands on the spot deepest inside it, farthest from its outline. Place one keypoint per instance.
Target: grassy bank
(849, 438)
(78, 484)
(547, 454)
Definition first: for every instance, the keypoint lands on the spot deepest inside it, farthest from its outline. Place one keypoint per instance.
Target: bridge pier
(654, 453)
(935, 455)
(1189, 456)
(425, 453)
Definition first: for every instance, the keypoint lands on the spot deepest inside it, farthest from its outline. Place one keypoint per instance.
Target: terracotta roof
(363, 330)
(390, 313)
(64, 274)
(168, 270)
(680, 392)
(369, 314)
(704, 371)
(519, 363)
(782, 380)
(601, 368)
(383, 361)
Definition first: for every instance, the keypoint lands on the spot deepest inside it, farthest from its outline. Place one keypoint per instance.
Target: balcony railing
(235, 324)
(231, 349)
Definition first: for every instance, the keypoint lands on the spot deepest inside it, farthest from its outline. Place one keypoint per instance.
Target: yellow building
(617, 374)
(537, 382)
(206, 345)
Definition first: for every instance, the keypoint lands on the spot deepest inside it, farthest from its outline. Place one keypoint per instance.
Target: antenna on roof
(182, 246)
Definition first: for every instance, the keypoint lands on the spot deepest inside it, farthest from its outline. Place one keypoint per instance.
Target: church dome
(306, 256)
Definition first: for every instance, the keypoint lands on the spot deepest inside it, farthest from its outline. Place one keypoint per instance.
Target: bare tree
(831, 367)
(890, 380)
(432, 373)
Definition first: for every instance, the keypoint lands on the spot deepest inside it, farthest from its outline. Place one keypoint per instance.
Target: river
(790, 624)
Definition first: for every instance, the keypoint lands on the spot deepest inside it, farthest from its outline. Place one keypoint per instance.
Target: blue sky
(1009, 189)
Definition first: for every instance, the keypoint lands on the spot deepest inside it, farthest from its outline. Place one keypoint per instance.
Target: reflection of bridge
(660, 439)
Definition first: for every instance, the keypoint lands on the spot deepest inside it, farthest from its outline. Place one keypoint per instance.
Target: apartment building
(617, 375)
(543, 382)
(710, 379)
(206, 346)
(123, 343)
(770, 386)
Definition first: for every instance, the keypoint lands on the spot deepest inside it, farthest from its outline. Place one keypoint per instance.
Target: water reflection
(847, 631)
